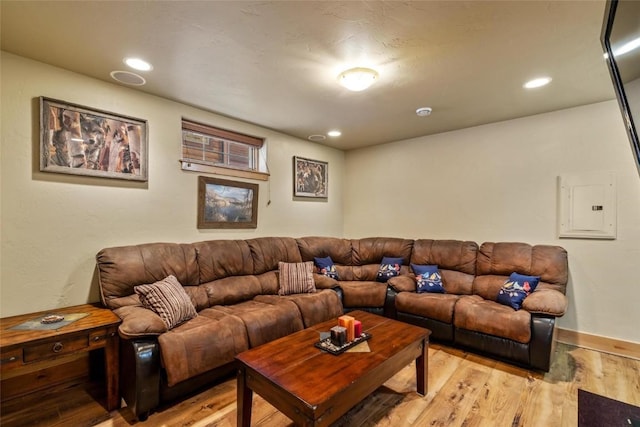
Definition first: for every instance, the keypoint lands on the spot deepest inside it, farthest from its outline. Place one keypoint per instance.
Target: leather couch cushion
(403, 283)
(269, 282)
(455, 259)
(232, 290)
(324, 282)
(122, 268)
(446, 254)
(314, 308)
(223, 258)
(502, 259)
(429, 305)
(474, 313)
(363, 293)
(367, 272)
(267, 252)
(265, 322)
(203, 343)
(338, 249)
(372, 250)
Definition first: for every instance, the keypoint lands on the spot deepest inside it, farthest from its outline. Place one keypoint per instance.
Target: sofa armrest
(138, 321)
(546, 301)
(403, 283)
(324, 282)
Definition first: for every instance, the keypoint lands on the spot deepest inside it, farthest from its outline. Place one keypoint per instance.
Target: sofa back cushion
(496, 262)
(267, 252)
(371, 250)
(338, 249)
(223, 258)
(122, 268)
(455, 259)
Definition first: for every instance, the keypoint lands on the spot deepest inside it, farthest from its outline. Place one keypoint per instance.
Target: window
(214, 150)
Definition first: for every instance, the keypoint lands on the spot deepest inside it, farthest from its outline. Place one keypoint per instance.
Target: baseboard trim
(599, 343)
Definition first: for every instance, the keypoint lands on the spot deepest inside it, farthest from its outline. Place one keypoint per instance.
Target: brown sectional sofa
(233, 285)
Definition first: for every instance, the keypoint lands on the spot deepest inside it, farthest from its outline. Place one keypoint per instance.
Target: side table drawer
(66, 345)
(10, 359)
(99, 337)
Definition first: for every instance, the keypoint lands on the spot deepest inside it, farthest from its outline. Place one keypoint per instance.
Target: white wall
(52, 225)
(498, 183)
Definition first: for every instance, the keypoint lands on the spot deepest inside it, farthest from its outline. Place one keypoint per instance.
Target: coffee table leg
(422, 368)
(244, 400)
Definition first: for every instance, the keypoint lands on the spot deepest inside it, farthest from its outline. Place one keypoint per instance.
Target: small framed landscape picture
(227, 204)
(83, 141)
(310, 178)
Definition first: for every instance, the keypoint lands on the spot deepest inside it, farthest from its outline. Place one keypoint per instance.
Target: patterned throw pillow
(326, 267)
(516, 289)
(296, 278)
(168, 299)
(389, 267)
(428, 279)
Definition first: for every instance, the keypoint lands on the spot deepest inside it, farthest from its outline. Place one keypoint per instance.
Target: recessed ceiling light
(358, 79)
(334, 133)
(128, 78)
(539, 82)
(316, 137)
(138, 64)
(424, 111)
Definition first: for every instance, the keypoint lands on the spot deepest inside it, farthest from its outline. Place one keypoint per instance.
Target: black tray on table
(329, 347)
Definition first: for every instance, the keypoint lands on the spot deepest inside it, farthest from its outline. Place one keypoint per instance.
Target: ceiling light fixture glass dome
(358, 79)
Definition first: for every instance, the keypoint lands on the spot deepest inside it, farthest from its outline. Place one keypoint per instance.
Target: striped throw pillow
(168, 299)
(296, 278)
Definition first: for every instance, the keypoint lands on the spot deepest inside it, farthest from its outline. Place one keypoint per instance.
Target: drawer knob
(57, 347)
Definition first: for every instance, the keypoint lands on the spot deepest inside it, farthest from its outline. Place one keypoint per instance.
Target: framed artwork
(310, 178)
(227, 204)
(83, 141)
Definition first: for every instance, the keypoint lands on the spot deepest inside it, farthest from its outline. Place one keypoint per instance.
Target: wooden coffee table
(315, 388)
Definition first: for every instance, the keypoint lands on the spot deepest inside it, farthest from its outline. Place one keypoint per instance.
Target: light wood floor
(464, 390)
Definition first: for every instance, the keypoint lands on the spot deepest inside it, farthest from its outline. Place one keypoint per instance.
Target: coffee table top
(286, 361)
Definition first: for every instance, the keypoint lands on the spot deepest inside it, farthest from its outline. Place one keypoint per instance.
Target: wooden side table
(26, 350)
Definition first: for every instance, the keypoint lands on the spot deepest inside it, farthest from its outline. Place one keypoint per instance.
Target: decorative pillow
(326, 267)
(296, 278)
(389, 267)
(428, 279)
(168, 299)
(516, 289)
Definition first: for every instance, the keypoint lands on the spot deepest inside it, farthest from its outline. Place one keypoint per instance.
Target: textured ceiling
(274, 63)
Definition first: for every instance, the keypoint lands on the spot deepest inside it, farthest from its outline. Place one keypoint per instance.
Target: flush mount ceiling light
(357, 79)
(539, 82)
(138, 64)
(334, 133)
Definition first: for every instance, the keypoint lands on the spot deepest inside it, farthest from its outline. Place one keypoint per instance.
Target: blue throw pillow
(428, 279)
(326, 267)
(389, 267)
(516, 289)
